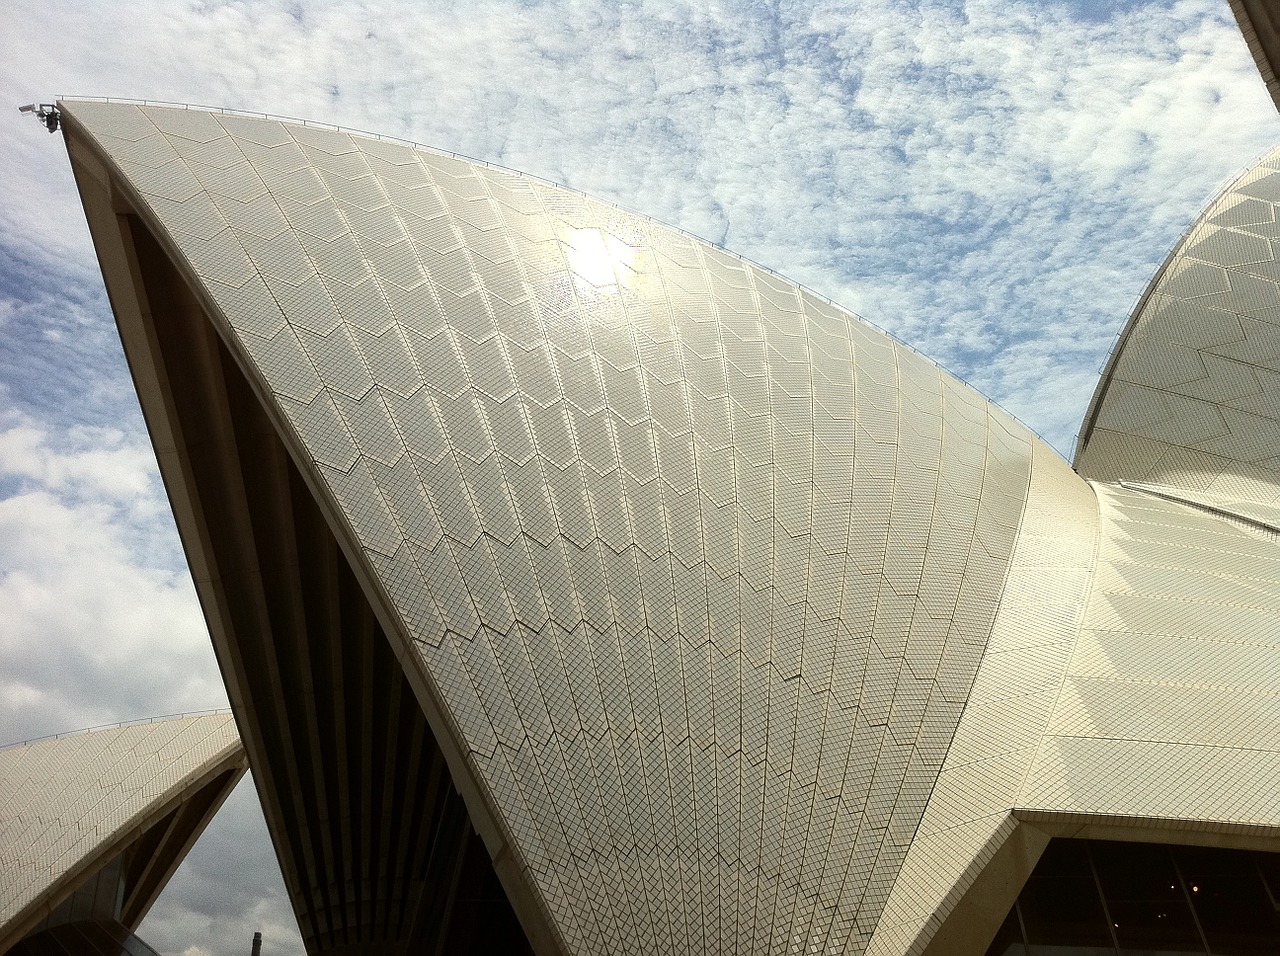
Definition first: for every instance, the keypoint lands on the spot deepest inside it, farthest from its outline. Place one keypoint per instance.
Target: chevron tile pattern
(63, 799)
(755, 630)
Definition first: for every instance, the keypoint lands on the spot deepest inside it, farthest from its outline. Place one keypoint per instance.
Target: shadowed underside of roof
(371, 835)
(1260, 24)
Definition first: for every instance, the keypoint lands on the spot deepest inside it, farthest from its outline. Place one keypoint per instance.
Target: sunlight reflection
(602, 261)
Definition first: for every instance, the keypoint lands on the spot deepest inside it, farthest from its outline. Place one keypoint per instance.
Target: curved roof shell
(1187, 397)
(70, 804)
(737, 623)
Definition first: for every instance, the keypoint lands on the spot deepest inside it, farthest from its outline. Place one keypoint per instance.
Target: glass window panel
(1269, 866)
(98, 939)
(1065, 858)
(1148, 909)
(42, 944)
(1064, 911)
(1231, 903)
(1160, 900)
(1154, 928)
(85, 938)
(1136, 871)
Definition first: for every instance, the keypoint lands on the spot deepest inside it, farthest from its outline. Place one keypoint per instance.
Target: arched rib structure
(97, 822)
(689, 571)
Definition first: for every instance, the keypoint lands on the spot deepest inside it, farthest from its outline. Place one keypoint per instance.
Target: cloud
(101, 462)
(100, 619)
(228, 888)
(974, 177)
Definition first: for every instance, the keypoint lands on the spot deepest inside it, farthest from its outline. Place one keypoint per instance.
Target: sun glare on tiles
(599, 259)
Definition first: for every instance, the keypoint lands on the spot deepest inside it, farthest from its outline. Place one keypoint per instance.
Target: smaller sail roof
(70, 804)
(1188, 397)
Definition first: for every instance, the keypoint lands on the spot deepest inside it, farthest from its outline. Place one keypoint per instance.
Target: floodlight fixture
(46, 113)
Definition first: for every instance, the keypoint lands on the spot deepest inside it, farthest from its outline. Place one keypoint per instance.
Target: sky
(993, 182)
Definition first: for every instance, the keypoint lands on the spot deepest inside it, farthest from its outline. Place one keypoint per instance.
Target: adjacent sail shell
(740, 626)
(1187, 398)
(71, 805)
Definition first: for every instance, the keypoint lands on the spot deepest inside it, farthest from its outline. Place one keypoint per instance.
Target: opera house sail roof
(92, 825)
(727, 622)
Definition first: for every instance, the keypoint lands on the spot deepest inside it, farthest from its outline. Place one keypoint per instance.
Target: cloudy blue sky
(992, 182)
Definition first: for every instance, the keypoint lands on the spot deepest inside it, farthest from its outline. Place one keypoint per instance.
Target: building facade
(581, 586)
(93, 824)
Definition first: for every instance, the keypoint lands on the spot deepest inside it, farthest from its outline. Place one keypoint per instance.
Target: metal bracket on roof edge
(46, 113)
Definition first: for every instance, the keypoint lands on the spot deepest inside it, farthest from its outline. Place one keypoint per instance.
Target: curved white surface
(1188, 397)
(701, 570)
(700, 566)
(67, 803)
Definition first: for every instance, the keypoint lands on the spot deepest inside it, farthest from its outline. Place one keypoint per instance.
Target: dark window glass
(1064, 858)
(1154, 928)
(1135, 871)
(1062, 911)
(89, 938)
(1232, 904)
(1157, 900)
(1269, 868)
(1145, 899)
